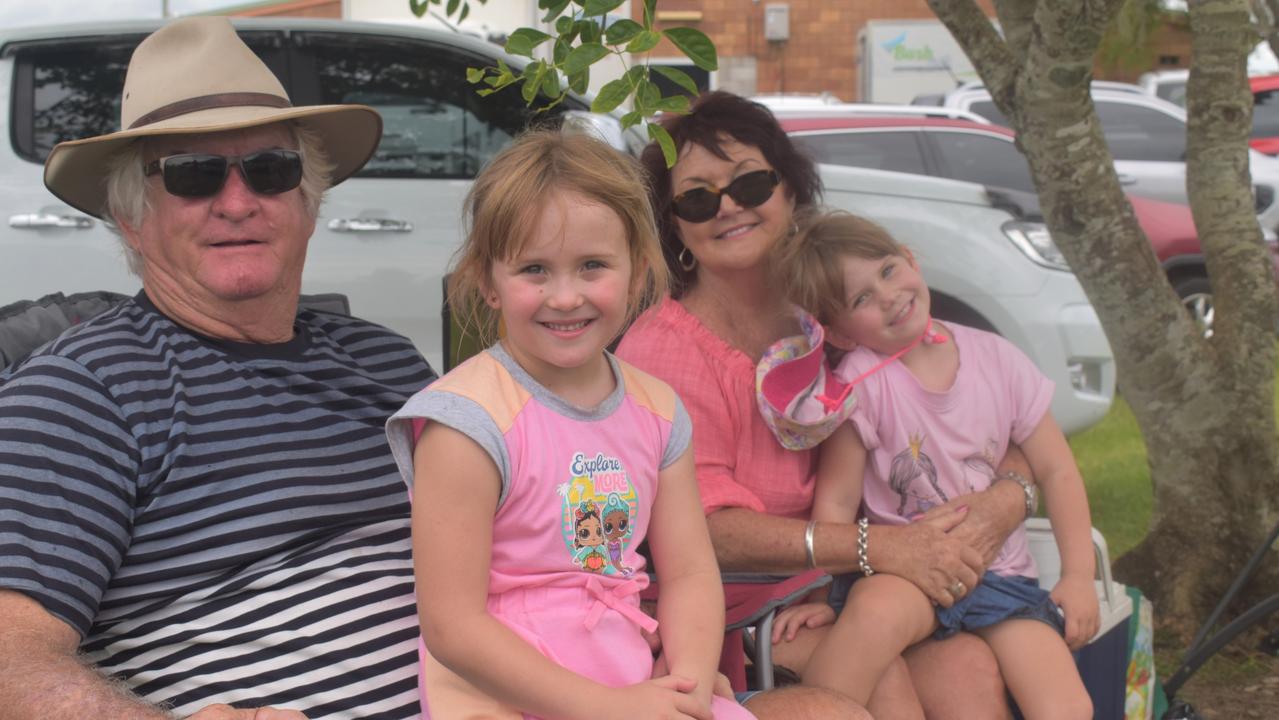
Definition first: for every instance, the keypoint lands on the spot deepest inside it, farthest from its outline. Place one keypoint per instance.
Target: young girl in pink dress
(544, 462)
(936, 406)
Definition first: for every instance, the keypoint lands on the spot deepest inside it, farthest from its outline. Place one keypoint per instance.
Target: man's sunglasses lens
(750, 190)
(269, 172)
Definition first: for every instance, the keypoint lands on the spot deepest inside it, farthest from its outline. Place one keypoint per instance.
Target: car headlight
(1033, 239)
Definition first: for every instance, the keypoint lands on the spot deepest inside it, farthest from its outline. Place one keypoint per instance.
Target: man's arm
(45, 678)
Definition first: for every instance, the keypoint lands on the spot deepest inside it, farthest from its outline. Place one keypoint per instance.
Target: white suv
(385, 237)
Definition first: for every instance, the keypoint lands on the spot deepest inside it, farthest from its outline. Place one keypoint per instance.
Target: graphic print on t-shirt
(908, 466)
(600, 507)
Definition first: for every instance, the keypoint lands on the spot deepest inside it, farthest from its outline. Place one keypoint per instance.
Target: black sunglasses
(195, 175)
(750, 190)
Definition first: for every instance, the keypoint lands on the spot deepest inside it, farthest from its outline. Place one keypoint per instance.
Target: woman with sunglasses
(730, 197)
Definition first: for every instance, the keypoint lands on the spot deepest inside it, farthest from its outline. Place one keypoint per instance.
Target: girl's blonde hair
(806, 264)
(508, 197)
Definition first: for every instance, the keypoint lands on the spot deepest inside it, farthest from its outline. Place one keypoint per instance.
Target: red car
(986, 154)
(1265, 114)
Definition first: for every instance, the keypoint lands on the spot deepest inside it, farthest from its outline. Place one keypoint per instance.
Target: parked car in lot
(986, 154)
(1147, 137)
(385, 237)
(1265, 114)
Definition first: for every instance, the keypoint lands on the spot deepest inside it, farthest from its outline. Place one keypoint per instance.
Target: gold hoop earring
(687, 264)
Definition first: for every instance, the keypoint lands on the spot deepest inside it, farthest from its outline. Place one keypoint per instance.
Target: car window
(898, 151)
(1136, 132)
(434, 123)
(1265, 114)
(983, 159)
(1174, 91)
(70, 89)
(987, 109)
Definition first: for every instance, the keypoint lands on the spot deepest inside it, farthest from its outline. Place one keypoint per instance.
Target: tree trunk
(1204, 406)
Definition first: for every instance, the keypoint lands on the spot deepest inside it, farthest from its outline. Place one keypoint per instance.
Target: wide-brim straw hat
(195, 75)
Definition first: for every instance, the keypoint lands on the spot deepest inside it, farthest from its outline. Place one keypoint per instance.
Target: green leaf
(474, 75)
(532, 77)
(635, 74)
(631, 119)
(562, 49)
(647, 95)
(695, 45)
(451, 7)
(563, 26)
(673, 104)
(580, 82)
(645, 41)
(551, 83)
(677, 76)
(466, 11)
(622, 31)
(583, 57)
(650, 13)
(595, 8)
(418, 7)
(485, 92)
(522, 41)
(613, 94)
(590, 31)
(553, 8)
(663, 138)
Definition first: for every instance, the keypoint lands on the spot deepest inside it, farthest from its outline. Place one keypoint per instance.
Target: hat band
(206, 102)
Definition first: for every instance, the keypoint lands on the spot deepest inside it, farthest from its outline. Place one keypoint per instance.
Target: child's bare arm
(690, 606)
(841, 462)
(1063, 489)
(454, 496)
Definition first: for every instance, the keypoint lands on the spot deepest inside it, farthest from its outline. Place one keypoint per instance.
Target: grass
(1112, 460)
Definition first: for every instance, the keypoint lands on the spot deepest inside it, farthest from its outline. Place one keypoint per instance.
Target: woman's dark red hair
(714, 117)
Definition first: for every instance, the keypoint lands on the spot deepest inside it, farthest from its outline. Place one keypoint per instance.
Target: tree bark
(1204, 406)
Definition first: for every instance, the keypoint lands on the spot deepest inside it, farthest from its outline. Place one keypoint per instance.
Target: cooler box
(1103, 663)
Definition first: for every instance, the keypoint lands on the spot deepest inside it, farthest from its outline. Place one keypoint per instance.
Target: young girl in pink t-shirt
(936, 407)
(544, 462)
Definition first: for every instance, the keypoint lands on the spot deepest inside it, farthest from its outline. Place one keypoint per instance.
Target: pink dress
(739, 462)
(577, 489)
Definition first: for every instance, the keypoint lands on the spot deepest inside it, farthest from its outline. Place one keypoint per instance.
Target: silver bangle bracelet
(863, 536)
(808, 543)
(1029, 490)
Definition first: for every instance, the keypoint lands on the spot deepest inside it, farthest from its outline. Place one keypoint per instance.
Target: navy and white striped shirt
(221, 521)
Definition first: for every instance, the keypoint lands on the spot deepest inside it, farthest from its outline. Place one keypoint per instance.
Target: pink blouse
(739, 462)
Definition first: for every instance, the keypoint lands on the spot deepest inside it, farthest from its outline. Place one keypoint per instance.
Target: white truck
(901, 59)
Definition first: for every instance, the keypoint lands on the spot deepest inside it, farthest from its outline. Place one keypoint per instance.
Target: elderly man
(197, 507)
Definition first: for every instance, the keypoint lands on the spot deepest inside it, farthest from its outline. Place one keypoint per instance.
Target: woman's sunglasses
(701, 204)
(195, 175)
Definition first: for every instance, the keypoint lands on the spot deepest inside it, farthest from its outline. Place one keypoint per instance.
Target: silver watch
(1031, 492)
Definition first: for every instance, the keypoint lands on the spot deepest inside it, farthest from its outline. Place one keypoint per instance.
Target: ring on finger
(958, 589)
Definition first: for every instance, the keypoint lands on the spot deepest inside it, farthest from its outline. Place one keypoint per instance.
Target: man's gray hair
(127, 199)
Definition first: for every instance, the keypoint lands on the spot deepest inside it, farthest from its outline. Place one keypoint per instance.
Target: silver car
(1147, 137)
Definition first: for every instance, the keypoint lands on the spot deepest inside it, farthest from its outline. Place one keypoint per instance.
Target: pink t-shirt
(927, 447)
(739, 462)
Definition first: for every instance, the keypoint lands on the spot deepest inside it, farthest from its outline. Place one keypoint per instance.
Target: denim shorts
(995, 599)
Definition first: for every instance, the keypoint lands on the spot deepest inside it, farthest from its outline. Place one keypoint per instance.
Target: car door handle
(349, 225)
(1126, 179)
(49, 220)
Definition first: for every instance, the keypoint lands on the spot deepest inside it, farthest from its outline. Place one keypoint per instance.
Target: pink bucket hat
(794, 370)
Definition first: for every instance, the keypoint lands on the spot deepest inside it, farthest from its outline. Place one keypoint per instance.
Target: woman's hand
(801, 615)
(1077, 597)
(992, 515)
(929, 554)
